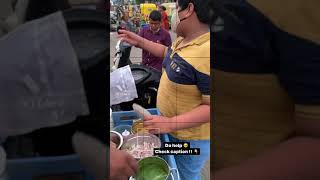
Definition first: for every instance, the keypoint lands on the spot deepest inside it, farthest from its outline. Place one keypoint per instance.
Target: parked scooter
(122, 56)
(146, 79)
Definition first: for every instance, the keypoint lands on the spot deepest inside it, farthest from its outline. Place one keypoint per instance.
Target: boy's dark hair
(163, 8)
(155, 15)
(200, 7)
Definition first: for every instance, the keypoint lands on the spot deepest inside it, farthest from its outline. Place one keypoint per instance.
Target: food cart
(127, 118)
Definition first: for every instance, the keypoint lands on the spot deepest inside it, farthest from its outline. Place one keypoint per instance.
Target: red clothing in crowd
(165, 21)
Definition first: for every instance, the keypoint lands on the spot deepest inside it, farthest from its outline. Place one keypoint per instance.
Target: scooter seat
(139, 73)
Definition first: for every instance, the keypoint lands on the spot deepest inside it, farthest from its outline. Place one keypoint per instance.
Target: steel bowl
(154, 168)
(116, 138)
(140, 139)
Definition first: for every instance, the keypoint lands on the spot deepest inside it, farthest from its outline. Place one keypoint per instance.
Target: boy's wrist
(173, 124)
(140, 43)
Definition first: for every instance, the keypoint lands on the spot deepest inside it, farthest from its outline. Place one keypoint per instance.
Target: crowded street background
(138, 14)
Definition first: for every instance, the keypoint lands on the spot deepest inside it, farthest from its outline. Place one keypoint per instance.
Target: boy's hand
(130, 37)
(159, 124)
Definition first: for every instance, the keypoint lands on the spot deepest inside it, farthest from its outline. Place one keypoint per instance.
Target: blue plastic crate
(127, 117)
(31, 168)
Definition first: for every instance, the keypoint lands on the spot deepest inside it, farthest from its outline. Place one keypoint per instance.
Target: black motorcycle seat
(140, 73)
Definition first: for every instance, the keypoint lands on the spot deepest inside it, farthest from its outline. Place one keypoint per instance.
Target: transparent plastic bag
(40, 79)
(122, 86)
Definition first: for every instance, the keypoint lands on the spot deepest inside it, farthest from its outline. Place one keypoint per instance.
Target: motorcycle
(146, 79)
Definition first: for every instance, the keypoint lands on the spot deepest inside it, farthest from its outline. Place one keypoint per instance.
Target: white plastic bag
(40, 79)
(122, 86)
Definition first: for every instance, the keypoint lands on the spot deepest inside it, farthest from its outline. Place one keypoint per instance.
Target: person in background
(155, 33)
(137, 22)
(164, 18)
(126, 22)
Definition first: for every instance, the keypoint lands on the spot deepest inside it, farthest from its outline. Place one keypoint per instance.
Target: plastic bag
(122, 86)
(40, 80)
